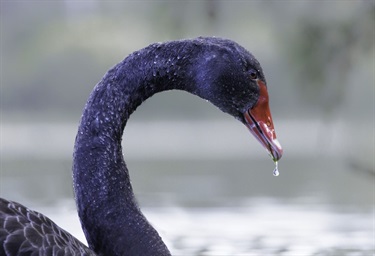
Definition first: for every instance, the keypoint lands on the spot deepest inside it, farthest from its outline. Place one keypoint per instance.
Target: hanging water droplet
(276, 170)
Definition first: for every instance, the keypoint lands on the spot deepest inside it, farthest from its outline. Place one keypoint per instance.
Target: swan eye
(253, 74)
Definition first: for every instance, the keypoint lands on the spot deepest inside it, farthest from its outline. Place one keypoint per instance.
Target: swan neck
(110, 216)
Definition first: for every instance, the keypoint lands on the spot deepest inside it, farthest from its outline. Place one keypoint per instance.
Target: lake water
(218, 198)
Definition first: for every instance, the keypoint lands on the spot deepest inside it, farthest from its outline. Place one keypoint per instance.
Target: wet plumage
(217, 70)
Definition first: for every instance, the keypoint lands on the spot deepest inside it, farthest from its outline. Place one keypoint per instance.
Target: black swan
(217, 70)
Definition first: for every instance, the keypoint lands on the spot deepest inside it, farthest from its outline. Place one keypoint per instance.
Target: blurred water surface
(203, 201)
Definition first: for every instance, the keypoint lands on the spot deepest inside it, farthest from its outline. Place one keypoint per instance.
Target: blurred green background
(318, 58)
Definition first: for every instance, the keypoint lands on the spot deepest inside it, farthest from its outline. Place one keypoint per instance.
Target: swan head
(232, 79)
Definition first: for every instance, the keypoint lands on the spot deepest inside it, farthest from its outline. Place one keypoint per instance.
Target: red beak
(259, 121)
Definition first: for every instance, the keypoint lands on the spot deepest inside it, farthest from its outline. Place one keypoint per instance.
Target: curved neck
(110, 217)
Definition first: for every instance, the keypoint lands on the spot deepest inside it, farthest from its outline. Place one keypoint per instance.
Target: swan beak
(259, 121)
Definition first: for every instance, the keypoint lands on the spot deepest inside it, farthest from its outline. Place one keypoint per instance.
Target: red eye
(253, 74)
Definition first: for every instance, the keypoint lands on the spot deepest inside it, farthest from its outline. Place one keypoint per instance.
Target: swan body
(217, 70)
(26, 232)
